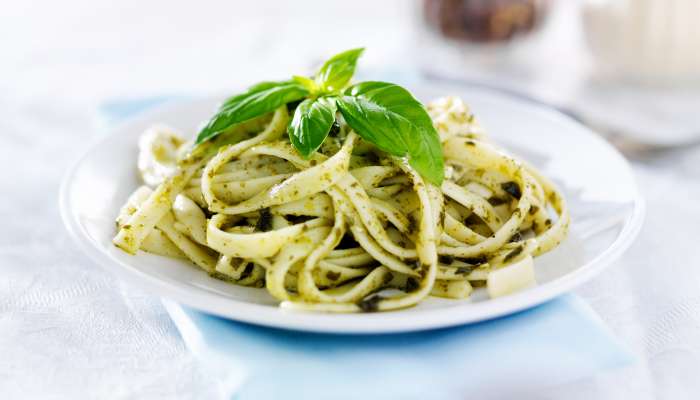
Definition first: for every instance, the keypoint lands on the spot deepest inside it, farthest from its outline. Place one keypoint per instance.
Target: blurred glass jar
(478, 40)
(482, 20)
(648, 41)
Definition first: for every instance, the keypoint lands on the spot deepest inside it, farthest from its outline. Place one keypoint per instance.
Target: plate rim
(385, 322)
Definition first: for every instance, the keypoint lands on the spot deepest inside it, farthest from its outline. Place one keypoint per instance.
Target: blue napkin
(560, 341)
(557, 342)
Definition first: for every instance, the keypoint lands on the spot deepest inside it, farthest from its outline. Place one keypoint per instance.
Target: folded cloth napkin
(560, 341)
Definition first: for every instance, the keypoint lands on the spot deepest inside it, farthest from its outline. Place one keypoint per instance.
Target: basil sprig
(382, 113)
(390, 117)
(336, 73)
(311, 124)
(260, 99)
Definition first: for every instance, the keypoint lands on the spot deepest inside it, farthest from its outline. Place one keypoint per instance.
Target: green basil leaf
(336, 73)
(388, 116)
(307, 83)
(312, 121)
(257, 100)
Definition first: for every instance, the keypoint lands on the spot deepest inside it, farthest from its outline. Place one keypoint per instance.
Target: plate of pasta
(323, 204)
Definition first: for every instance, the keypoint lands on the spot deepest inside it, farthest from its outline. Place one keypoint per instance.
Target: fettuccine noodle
(351, 228)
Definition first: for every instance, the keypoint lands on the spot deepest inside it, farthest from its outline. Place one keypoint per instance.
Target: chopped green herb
(370, 304)
(514, 253)
(512, 188)
(446, 259)
(264, 223)
(466, 270)
(475, 260)
(332, 275)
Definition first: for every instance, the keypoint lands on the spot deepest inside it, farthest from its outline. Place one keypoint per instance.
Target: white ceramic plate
(606, 209)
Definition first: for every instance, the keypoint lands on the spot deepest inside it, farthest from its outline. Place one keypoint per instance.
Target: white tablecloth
(69, 330)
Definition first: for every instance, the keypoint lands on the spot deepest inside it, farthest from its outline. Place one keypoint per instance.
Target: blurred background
(630, 69)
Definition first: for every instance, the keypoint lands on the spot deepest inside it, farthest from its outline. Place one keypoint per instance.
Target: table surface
(69, 330)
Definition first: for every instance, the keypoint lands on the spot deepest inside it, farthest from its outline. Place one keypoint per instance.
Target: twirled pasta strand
(349, 229)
